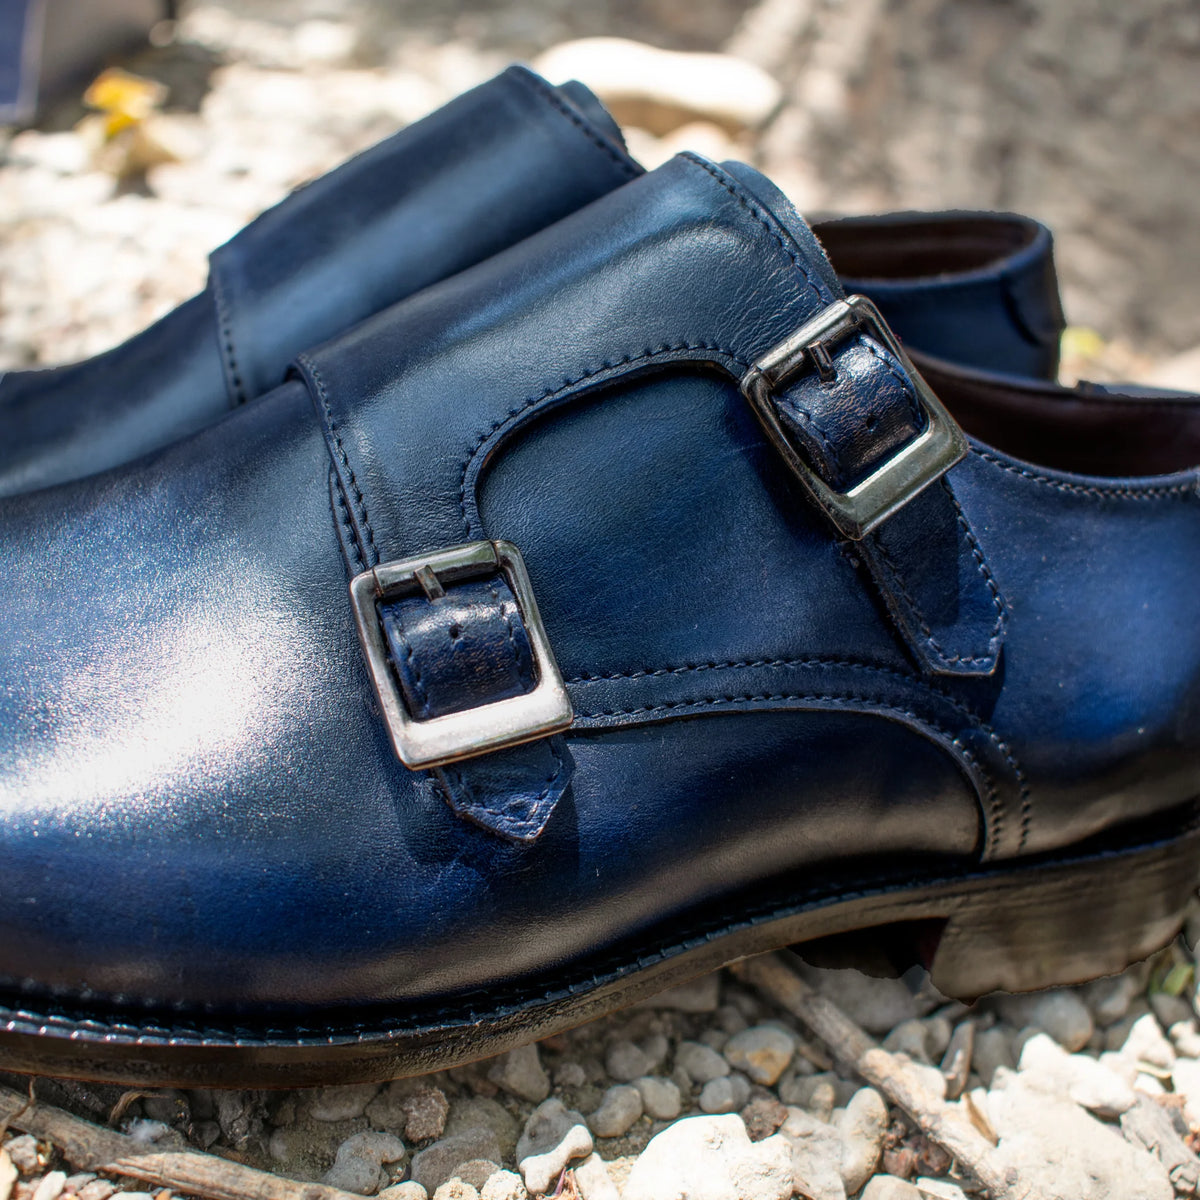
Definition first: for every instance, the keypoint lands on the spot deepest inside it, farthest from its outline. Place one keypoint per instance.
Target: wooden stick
(893, 1076)
(92, 1148)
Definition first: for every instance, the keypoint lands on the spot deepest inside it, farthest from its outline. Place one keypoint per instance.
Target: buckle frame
(439, 741)
(909, 471)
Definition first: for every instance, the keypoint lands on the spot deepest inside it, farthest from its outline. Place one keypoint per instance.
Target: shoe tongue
(767, 194)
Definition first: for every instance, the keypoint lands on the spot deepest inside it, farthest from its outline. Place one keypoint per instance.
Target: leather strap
(848, 417)
(460, 649)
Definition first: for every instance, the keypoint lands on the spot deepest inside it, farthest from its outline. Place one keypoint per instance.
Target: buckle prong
(917, 464)
(438, 741)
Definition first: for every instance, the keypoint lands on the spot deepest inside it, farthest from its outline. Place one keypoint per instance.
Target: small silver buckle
(911, 469)
(436, 741)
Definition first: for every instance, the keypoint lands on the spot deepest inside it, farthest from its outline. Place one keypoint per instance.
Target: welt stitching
(361, 503)
(514, 414)
(1100, 491)
(739, 194)
(226, 326)
(628, 167)
(346, 520)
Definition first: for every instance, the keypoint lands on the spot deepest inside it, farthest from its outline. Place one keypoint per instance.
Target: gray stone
(912, 1038)
(504, 1185)
(816, 1094)
(701, 995)
(993, 1049)
(1185, 1037)
(358, 1166)
(520, 1073)
(732, 1019)
(569, 1075)
(476, 1172)
(1148, 1125)
(714, 1038)
(1185, 1075)
(408, 1107)
(342, 1103)
(1061, 1152)
(98, 1189)
(939, 1189)
(711, 1158)
(816, 1156)
(862, 1124)
(890, 1187)
(456, 1189)
(435, 1164)
(1115, 1035)
(656, 1047)
(482, 1112)
(593, 1180)
(1170, 1010)
(701, 1062)
(726, 1094)
(23, 1151)
(620, 1106)
(1109, 998)
(625, 1061)
(1059, 1012)
(878, 1005)
(1147, 1045)
(552, 1137)
(660, 1097)
(761, 1052)
(1047, 1066)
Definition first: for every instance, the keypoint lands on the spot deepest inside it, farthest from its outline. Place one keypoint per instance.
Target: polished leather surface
(183, 698)
(488, 169)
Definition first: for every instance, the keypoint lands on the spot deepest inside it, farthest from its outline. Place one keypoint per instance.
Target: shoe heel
(1059, 923)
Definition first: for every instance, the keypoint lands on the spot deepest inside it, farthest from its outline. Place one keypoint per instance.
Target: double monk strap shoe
(495, 165)
(621, 606)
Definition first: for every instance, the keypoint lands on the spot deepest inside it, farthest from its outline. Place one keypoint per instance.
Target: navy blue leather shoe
(623, 605)
(495, 165)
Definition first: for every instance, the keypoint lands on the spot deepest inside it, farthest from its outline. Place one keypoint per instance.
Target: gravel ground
(709, 1089)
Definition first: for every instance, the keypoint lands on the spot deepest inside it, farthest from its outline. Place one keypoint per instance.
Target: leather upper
(184, 697)
(488, 169)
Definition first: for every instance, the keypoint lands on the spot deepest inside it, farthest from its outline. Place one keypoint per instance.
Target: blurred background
(1084, 113)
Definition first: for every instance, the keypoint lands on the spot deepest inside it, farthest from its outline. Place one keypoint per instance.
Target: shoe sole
(1018, 927)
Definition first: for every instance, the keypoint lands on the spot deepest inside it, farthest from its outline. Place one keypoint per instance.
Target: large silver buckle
(911, 469)
(437, 741)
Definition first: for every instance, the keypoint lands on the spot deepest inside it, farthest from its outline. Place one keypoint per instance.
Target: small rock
(620, 1106)
(1149, 1126)
(1146, 1044)
(1186, 1077)
(862, 1125)
(482, 1112)
(434, 1165)
(73, 1184)
(660, 1097)
(725, 1095)
(714, 1038)
(939, 1028)
(520, 1073)
(358, 1166)
(23, 1151)
(1062, 1152)
(993, 1049)
(656, 1048)
(815, 1094)
(912, 1038)
(552, 1137)
(1148, 1085)
(98, 1189)
(1185, 1037)
(956, 1062)
(409, 1190)
(1059, 1012)
(626, 1062)
(476, 1172)
(711, 1158)
(1170, 1010)
(702, 1063)
(939, 1189)
(593, 1180)
(878, 1005)
(569, 1075)
(50, 1186)
(763, 1116)
(456, 1189)
(701, 995)
(816, 1156)
(889, 1187)
(1046, 1065)
(342, 1103)
(1115, 1035)
(1109, 998)
(504, 1185)
(732, 1019)
(762, 1052)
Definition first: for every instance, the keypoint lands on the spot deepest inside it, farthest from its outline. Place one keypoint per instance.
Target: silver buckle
(437, 741)
(911, 469)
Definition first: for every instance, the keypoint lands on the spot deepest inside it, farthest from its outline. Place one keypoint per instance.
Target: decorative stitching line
(336, 490)
(1100, 491)
(515, 414)
(535, 84)
(332, 426)
(226, 327)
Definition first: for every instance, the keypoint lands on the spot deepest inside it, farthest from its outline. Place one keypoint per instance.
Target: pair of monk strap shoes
(520, 582)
